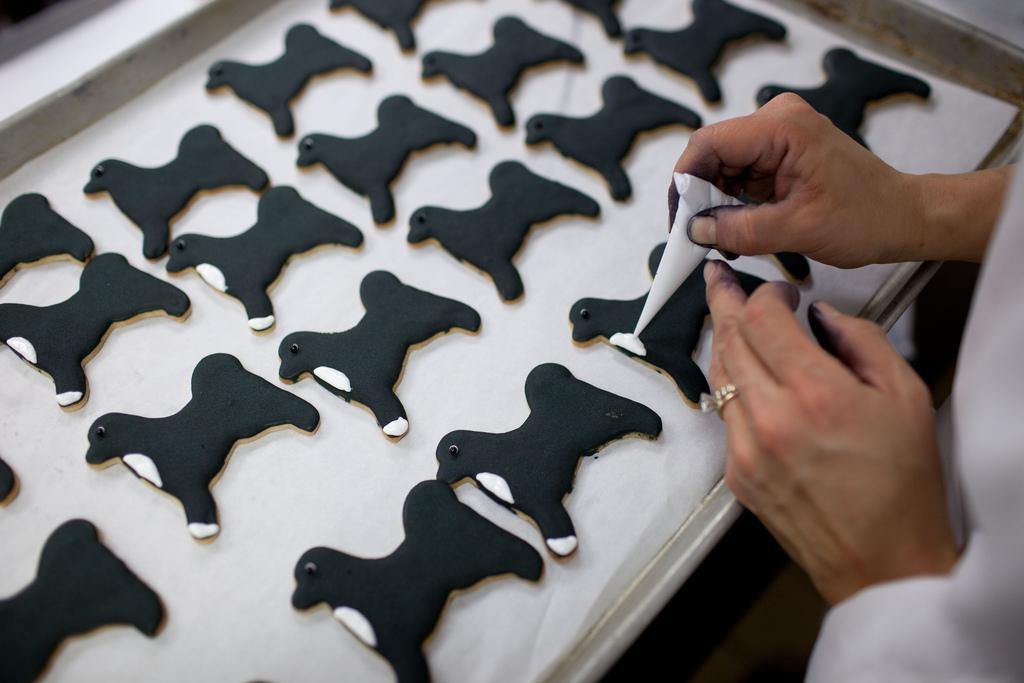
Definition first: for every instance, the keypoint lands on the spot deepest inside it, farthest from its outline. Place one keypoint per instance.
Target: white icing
(354, 621)
(23, 347)
(69, 398)
(496, 485)
(397, 427)
(260, 324)
(202, 531)
(144, 466)
(630, 342)
(336, 378)
(681, 256)
(213, 276)
(562, 546)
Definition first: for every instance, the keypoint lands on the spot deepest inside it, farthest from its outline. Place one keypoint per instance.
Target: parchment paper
(228, 603)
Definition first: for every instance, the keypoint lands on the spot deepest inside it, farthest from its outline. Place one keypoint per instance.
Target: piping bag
(681, 256)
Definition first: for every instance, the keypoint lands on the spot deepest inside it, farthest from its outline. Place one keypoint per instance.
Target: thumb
(860, 345)
(746, 230)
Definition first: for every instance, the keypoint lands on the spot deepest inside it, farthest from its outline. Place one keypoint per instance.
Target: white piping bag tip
(630, 342)
(681, 256)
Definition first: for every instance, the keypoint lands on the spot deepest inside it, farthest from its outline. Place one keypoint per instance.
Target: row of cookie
(447, 546)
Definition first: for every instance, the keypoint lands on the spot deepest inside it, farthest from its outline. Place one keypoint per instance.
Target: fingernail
(701, 230)
(710, 268)
(791, 293)
(673, 204)
(816, 315)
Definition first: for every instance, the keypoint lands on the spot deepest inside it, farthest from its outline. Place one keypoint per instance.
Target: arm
(831, 199)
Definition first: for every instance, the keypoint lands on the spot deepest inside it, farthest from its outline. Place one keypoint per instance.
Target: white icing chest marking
(213, 276)
(260, 324)
(336, 378)
(630, 342)
(69, 398)
(23, 347)
(359, 625)
(397, 427)
(496, 485)
(202, 531)
(562, 546)
(144, 466)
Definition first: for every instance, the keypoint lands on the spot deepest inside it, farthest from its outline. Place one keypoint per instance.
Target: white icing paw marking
(354, 621)
(630, 342)
(336, 378)
(562, 546)
(213, 276)
(202, 531)
(496, 485)
(23, 347)
(144, 466)
(260, 324)
(69, 398)
(397, 427)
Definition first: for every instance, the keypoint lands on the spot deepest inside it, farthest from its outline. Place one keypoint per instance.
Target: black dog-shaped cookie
(603, 10)
(394, 15)
(490, 236)
(247, 265)
(80, 586)
(492, 75)
(670, 338)
(58, 339)
(392, 604)
(8, 483)
(531, 469)
(851, 84)
(363, 364)
(32, 232)
(182, 454)
(601, 141)
(271, 87)
(152, 197)
(694, 50)
(367, 165)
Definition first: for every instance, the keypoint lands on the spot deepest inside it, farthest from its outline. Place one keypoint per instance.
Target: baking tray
(923, 39)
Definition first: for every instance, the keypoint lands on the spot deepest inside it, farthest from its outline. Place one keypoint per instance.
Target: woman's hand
(835, 454)
(831, 199)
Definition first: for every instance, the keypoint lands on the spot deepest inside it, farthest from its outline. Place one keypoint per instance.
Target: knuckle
(774, 433)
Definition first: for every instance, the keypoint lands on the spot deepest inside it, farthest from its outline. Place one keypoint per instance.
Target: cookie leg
(284, 123)
(508, 281)
(409, 663)
(556, 525)
(618, 183)
(503, 113)
(708, 85)
(406, 39)
(382, 204)
(259, 310)
(201, 512)
(154, 239)
(390, 415)
(70, 383)
(687, 375)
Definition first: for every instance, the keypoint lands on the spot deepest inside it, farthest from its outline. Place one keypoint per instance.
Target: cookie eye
(538, 125)
(453, 451)
(307, 144)
(180, 245)
(430, 59)
(584, 313)
(294, 348)
(310, 568)
(101, 431)
(217, 70)
(421, 218)
(98, 171)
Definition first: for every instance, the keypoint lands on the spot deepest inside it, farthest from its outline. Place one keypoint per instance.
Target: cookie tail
(382, 204)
